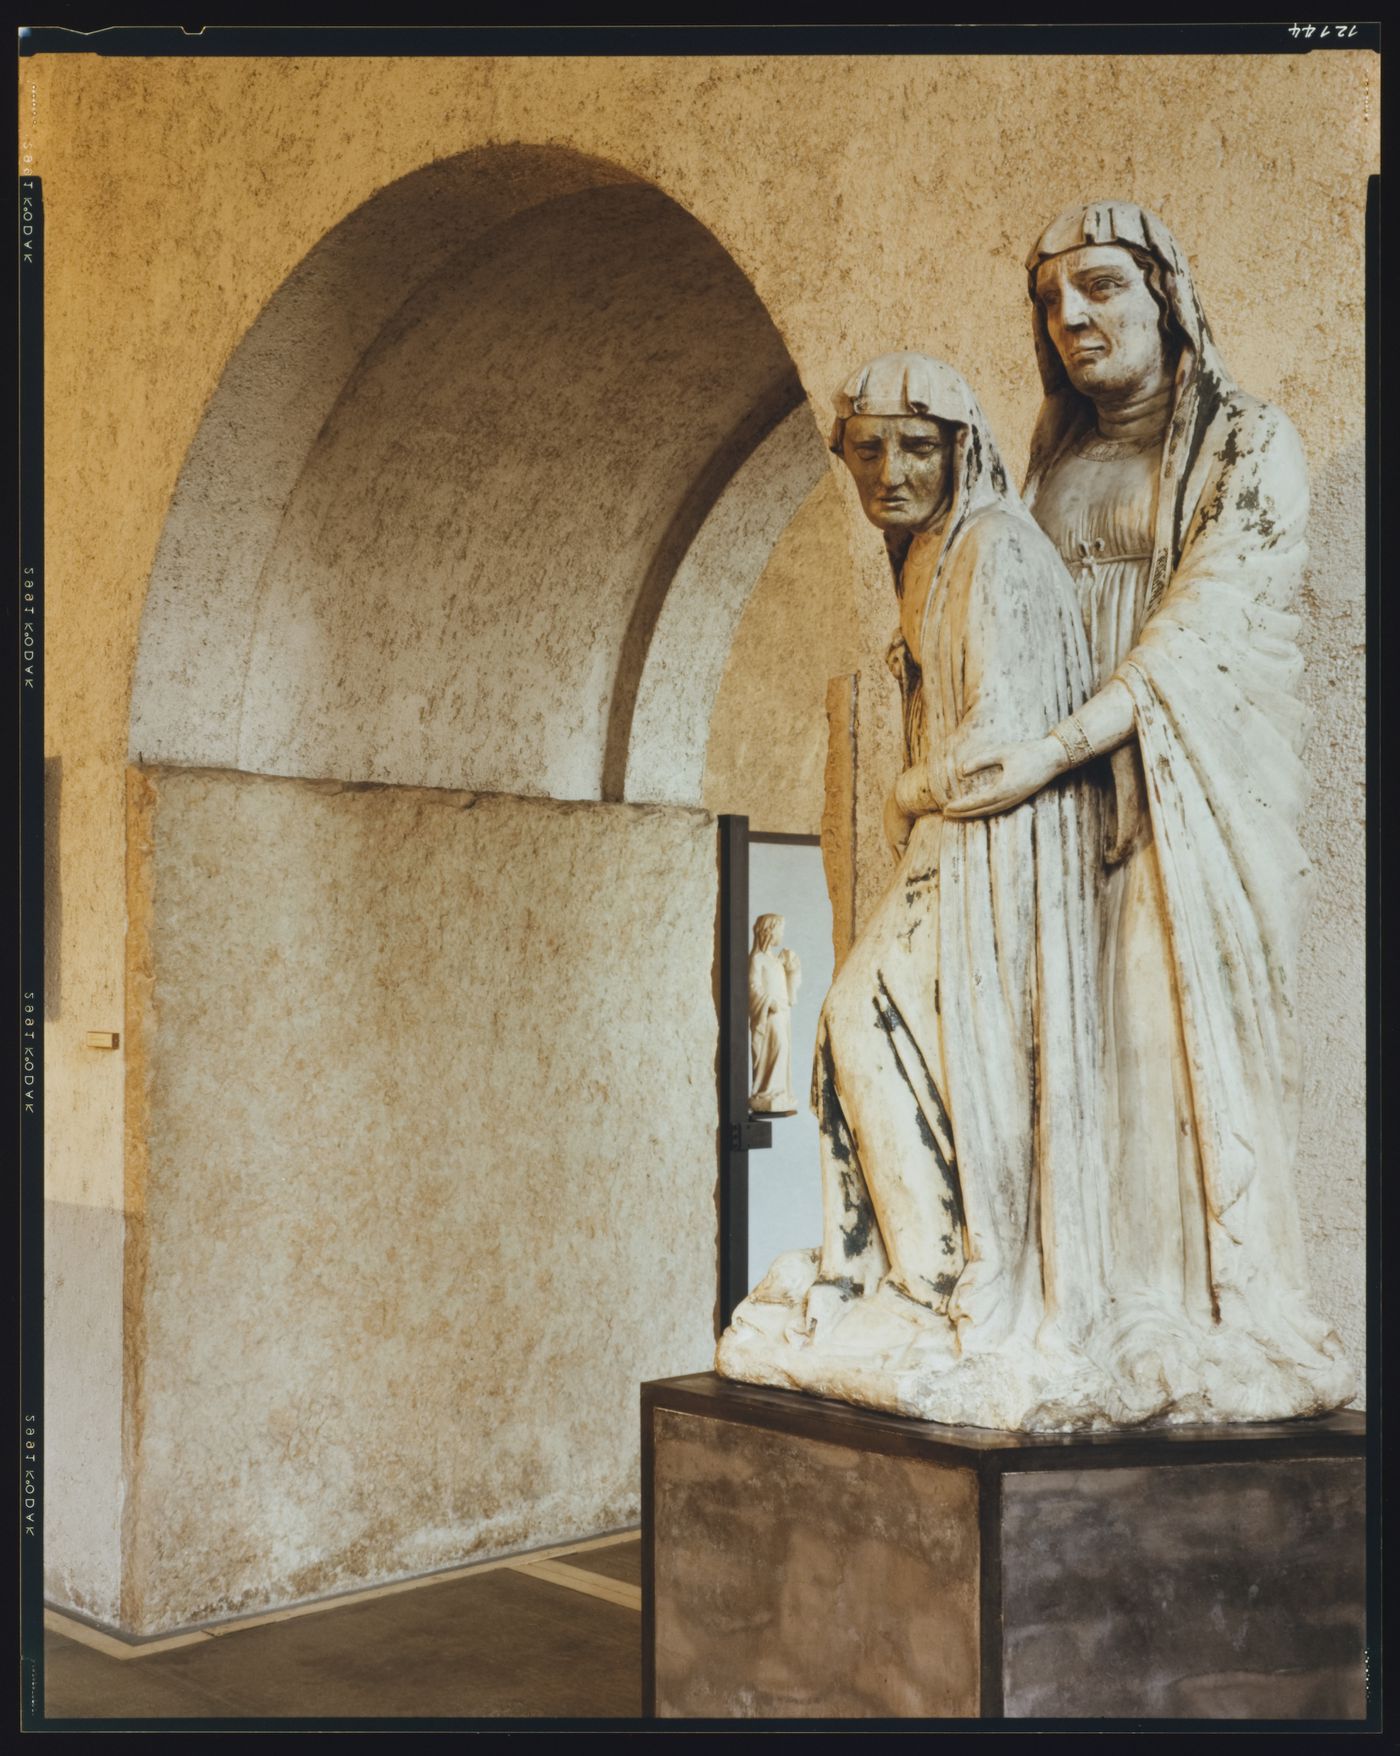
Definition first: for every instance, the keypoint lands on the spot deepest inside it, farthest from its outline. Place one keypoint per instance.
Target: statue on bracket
(775, 974)
(1057, 1074)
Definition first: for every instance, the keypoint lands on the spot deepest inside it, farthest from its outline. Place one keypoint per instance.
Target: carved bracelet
(1074, 740)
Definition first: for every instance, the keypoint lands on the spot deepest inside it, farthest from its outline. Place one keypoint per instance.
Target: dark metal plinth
(804, 1559)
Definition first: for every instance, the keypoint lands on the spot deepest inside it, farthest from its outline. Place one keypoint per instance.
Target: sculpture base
(803, 1559)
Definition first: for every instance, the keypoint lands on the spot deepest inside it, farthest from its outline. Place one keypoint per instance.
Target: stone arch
(429, 526)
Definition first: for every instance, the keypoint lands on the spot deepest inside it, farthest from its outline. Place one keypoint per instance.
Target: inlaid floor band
(613, 1591)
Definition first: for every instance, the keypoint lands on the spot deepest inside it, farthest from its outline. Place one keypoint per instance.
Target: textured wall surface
(768, 735)
(1332, 986)
(431, 1178)
(83, 1401)
(449, 592)
(705, 612)
(912, 233)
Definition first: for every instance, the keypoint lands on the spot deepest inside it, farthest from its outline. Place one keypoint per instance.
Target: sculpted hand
(913, 792)
(1005, 777)
(898, 824)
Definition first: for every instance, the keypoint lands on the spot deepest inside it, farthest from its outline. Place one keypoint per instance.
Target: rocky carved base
(1143, 1364)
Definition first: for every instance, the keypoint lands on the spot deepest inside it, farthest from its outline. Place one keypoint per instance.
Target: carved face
(768, 932)
(1102, 319)
(902, 466)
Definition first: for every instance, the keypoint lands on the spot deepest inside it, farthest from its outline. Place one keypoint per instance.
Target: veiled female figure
(1179, 503)
(957, 1067)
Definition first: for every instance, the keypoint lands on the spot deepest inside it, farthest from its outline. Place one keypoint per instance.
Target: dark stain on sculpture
(887, 1019)
(859, 1226)
(828, 1104)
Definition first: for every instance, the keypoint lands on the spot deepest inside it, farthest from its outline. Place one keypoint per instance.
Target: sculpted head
(1106, 319)
(902, 467)
(768, 932)
(899, 453)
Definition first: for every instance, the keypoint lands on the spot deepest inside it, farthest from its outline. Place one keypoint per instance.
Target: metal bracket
(750, 1135)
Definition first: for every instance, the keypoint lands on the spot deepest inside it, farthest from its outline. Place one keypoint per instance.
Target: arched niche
(430, 527)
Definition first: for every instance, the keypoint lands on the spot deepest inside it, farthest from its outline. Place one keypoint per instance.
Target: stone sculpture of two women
(1057, 1073)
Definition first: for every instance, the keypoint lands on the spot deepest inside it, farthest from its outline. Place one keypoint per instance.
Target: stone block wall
(427, 1084)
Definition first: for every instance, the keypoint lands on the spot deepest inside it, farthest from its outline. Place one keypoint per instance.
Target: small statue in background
(774, 977)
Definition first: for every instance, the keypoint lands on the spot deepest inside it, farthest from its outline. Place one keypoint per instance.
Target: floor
(553, 1638)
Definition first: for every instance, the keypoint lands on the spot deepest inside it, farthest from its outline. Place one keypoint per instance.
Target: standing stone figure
(775, 974)
(1179, 503)
(957, 1069)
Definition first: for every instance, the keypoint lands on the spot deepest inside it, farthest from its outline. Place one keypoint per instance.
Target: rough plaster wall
(704, 606)
(1332, 1147)
(276, 392)
(912, 233)
(448, 596)
(83, 1404)
(768, 733)
(431, 1181)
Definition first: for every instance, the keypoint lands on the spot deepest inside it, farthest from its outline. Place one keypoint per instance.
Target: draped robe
(957, 1073)
(770, 1031)
(967, 999)
(1218, 732)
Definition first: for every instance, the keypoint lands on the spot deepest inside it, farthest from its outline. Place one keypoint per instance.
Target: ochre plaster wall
(768, 733)
(181, 193)
(705, 604)
(431, 1175)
